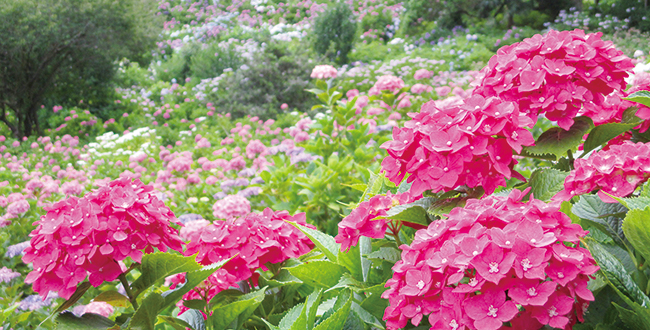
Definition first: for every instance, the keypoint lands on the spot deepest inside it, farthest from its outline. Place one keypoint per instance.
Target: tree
(65, 51)
(334, 32)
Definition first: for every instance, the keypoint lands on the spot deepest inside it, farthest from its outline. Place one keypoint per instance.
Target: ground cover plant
(413, 176)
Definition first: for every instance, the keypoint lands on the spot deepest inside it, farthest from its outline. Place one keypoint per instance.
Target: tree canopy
(65, 51)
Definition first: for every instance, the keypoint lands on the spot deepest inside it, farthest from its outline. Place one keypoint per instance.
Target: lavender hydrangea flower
(247, 172)
(6, 275)
(250, 191)
(185, 218)
(257, 180)
(220, 195)
(16, 249)
(35, 302)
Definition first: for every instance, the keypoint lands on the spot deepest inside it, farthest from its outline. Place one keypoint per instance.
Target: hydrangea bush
(511, 203)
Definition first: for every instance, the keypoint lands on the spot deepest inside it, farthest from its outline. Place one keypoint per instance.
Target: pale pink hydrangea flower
(231, 206)
(324, 72)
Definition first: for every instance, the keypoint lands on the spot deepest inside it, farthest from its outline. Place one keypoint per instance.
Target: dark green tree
(334, 32)
(65, 51)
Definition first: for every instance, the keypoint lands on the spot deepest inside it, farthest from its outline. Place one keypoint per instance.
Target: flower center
(494, 267)
(526, 264)
(552, 312)
(453, 324)
(531, 292)
(493, 311)
(420, 284)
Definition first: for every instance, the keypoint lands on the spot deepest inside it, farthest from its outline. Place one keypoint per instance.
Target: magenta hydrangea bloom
(616, 171)
(362, 221)
(88, 236)
(470, 145)
(493, 261)
(556, 74)
(256, 239)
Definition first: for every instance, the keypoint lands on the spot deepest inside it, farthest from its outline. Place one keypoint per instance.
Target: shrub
(334, 33)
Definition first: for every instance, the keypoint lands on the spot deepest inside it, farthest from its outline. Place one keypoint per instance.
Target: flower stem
(129, 293)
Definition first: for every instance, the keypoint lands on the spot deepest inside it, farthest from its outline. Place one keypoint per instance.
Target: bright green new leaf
(156, 266)
(601, 134)
(637, 230)
(238, 311)
(326, 243)
(336, 320)
(389, 254)
(607, 217)
(192, 279)
(147, 314)
(642, 97)
(415, 212)
(320, 273)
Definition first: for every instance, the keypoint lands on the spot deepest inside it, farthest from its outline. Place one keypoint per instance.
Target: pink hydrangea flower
(493, 261)
(100, 308)
(389, 83)
(88, 236)
(556, 74)
(420, 88)
(422, 74)
(257, 239)
(617, 171)
(324, 72)
(231, 206)
(18, 207)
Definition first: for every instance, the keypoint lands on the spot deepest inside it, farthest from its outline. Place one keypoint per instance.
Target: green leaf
(311, 307)
(146, 315)
(640, 202)
(637, 230)
(642, 97)
(320, 273)
(283, 278)
(365, 247)
(546, 182)
(632, 319)
(113, 298)
(415, 212)
(351, 260)
(293, 317)
(389, 254)
(366, 317)
(336, 320)
(601, 134)
(78, 293)
(68, 321)
(556, 141)
(357, 186)
(199, 304)
(605, 216)
(225, 297)
(181, 322)
(156, 266)
(615, 274)
(192, 279)
(237, 312)
(348, 282)
(326, 243)
(375, 183)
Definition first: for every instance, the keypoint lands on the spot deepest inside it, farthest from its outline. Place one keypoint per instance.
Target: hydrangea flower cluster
(616, 171)
(366, 220)
(90, 236)
(386, 83)
(231, 206)
(556, 74)
(324, 72)
(471, 144)
(257, 239)
(496, 260)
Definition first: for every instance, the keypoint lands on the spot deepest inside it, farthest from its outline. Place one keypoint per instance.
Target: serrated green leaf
(156, 266)
(614, 272)
(238, 311)
(642, 97)
(349, 282)
(192, 279)
(365, 247)
(357, 186)
(199, 304)
(556, 141)
(444, 206)
(311, 307)
(546, 182)
(637, 203)
(366, 317)
(194, 318)
(375, 183)
(636, 227)
(326, 243)
(351, 260)
(320, 273)
(415, 212)
(113, 298)
(283, 278)
(292, 317)
(605, 216)
(375, 305)
(632, 319)
(146, 315)
(68, 321)
(336, 320)
(389, 254)
(180, 324)
(601, 134)
(404, 187)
